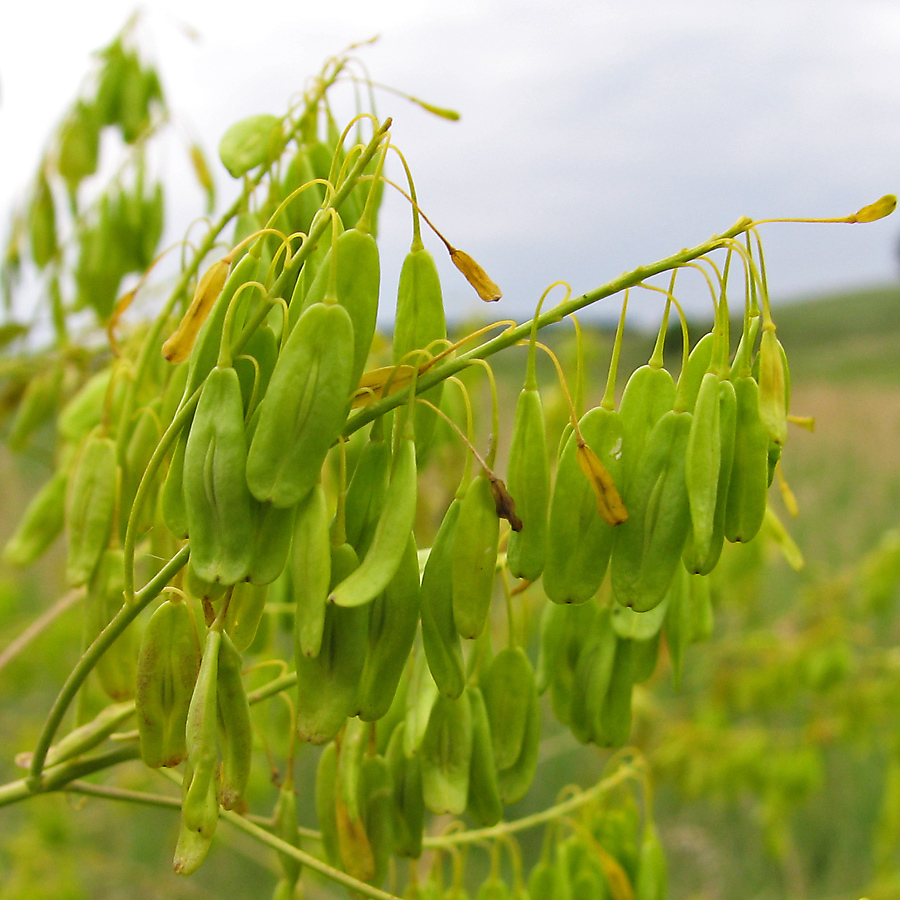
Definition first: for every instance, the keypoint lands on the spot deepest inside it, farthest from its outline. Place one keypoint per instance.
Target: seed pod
(356, 289)
(85, 410)
(251, 142)
(366, 490)
(440, 638)
(646, 657)
(748, 488)
(393, 622)
(648, 546)
(199, 805)
(273, 528)
(90, 507)
(474, 562)
(42, 222)
(326, 790)
(408, 806)
(304, 407)
(648, 395)
(576, 625)
(215, 490)
(615, 715)
(311, 569)
(591, 679)
(234, 722)
(376, 806)
(484, 804)
(421, 696)
(703, 459)
(697, 367)
(328, 684)
(261, 349)
(141, 444)
(678, 622)
(509, 692)
(579, 541)
(528, 480)
(703, 565)
(390, 539)
(37, 405)
(244, 612)
(179, 345)
(200, 589)
(700, 609)
(446, 755)
(40, 525)
(174, 511)
(301, 210)
(419, 322)
(773, 386)
(515, 780)
(285, 819)
(167, 667)
(476, 276)
(652, 879)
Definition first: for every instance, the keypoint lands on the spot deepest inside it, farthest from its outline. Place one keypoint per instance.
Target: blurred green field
(770, 761)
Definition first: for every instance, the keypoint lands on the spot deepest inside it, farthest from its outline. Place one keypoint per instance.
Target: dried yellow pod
(372, 383)
(476, 276)
(877, 210)
(609, 503)
(178, 347)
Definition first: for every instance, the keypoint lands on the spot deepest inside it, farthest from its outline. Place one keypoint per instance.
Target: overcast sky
(595, 136)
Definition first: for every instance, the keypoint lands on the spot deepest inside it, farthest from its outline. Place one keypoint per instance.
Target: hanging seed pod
(393, 621)
(703, 460)
(178, 347)
(475, 275)
(649, 394)
(137, 452)
(509, 692)
(365, 493)
(592, 676)
(311, 569)
(304, 407)
(235, 728)
(245, 609)
(408, 805)
(440, 637)
(376, 808)
(515, 780)
(90, 507)
(474, 562)
(484, 804)
(648, 546)
(167, 667)
(773, 386)
(528, 480)
(652, 878)
(252, 142)
(40, 525)
(37, 405)
(215, 489)
(615, 714)
(42, 223)
(579, 541)
(446, 755)
(326, 817)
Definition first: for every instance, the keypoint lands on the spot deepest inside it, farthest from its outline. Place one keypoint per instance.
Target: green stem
(122, 619)
(513, 335)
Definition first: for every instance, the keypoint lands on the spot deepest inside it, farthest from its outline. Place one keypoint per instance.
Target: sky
(594, 136)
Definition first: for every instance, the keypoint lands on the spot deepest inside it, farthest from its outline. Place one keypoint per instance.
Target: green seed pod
(697, 367)
(79, 144)
(393, 621)
(244, 612)
(652, 878)
(85, 737)
(311, 569)
(42, 222)
(528, 480)
(703, 457)
(484, 804)
(700, 609)
(408, 805)
(40, 525)
(235, 728)
(516, 779)
(328, 684)
(252, 142)
(648, 546)
(90, 507)
(366, 490)
(446, 755)
(421, 695)
(261, 348)
(579, 541)
(137, 452)
(703, 565)
(285, 819)
(301, 210)
(85, 410)
(440, 638)
(326, 789)
(356, 289)
(304, 407)
(167, 667)
(648, 396)
(200, 589)
(474, 562)
(615, 715)
(194, 839)
(419, 322)
(639, 626)
(390, 539)
(509, 692)
(677, 622)
(376, 806)
(646, 657)
(494, 888)
(174, 511)
(577, 623)
(273, 529)
(773, 386)
(748, 486)
(592, 676)
(215, 489)
(38, 404)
